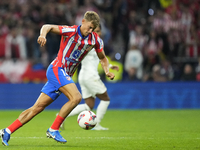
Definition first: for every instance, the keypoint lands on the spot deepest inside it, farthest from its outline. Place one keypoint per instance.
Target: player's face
(86, 27)
(98, 31)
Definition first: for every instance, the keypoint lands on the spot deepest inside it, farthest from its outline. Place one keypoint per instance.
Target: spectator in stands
(31, 46)
(134, 58)
(192, 43)
(133, 64)
(170, 21)
(15, 45)
(158, 24)
(152, 53)
(158, 75)
(174, 28)
(188, 73)
(154, 45)
(167, 70)
(137, 38)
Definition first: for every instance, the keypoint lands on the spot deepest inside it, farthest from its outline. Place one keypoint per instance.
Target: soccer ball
(87, 120)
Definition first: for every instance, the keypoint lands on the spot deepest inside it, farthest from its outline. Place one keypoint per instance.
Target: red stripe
(100, 50)
(83, 55)
(71, 48)
(55, 71)
(82, 44)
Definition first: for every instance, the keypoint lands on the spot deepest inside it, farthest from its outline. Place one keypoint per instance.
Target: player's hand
(42, 40)
(110, 75)
(115, 68)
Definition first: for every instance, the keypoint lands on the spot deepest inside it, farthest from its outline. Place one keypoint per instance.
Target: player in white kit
(92, 87)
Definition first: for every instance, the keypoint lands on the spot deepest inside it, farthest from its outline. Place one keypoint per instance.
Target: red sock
(57, 122)
(15, 125)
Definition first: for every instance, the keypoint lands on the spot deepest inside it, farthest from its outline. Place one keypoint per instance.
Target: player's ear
(83, 20)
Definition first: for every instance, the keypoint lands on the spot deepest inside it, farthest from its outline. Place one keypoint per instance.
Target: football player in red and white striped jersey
(76, 42)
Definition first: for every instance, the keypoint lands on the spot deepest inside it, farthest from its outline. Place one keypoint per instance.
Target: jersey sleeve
(66, 30)
(99, 45)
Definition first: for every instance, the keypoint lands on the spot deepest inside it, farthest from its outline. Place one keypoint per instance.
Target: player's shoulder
(97, 38)
(68, 29)
(95, 35)
(72, 28)
(66, 26)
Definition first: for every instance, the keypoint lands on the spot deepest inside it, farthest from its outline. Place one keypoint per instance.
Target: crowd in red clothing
(161, 37)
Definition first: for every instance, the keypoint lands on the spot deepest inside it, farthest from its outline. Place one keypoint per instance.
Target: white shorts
(92, 87)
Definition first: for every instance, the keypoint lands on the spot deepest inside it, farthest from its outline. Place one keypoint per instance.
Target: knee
(76, 99)
(90, 106)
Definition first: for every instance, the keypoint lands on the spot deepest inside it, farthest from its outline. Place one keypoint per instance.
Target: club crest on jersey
(68, 78)
(89, 47)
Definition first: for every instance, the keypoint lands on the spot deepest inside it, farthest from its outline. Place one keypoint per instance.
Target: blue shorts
(57, 78)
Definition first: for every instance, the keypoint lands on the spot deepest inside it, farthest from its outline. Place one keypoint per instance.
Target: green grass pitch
(128, 130)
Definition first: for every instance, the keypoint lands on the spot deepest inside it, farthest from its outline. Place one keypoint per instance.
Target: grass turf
(128, 130)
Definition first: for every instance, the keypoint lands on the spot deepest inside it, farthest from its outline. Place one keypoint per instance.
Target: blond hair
(93, 17)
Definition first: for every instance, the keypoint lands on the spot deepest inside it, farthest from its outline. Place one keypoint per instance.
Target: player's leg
(90, 101)
(96, 88)
(87, 96)
(88, 105)
(74, 96)
(78, 109)
(101, 109)
(42, 102)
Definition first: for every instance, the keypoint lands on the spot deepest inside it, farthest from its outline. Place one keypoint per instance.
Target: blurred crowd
(154, 40)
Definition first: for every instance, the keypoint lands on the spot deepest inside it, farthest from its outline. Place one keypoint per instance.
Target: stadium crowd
(154, 40)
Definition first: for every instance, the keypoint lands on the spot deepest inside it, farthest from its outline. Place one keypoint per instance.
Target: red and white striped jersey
(74, 47)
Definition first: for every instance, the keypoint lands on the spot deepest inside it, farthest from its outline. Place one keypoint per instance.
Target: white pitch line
(34, 137)
(82, 137)
(110, 138)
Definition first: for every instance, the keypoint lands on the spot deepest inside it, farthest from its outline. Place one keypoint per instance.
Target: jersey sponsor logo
(71, 60)
(76, 54)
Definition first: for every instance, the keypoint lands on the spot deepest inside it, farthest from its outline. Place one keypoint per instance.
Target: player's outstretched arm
(105, 65)
(43, 32)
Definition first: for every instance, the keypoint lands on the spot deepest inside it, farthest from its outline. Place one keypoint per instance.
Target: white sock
(7, 130)
(101, 110)
(52, 130)
(78, 109)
